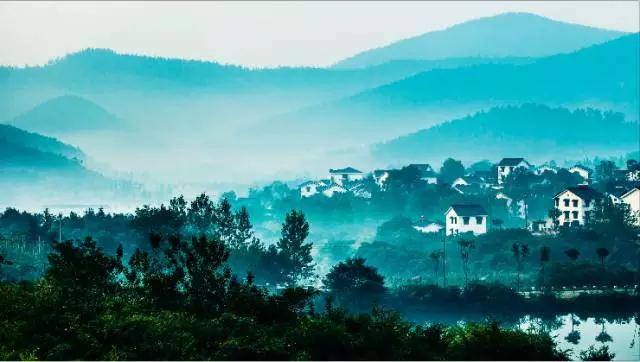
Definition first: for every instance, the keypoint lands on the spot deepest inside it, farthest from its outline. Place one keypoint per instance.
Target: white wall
(456, 224)
(633, 200)
(576, 209)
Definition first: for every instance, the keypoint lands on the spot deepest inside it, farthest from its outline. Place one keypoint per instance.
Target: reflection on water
(572, 332)
(577, 334)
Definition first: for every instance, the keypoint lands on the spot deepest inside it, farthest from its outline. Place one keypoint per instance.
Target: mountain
(504, 35)
(67, 114)
(536, 132)
(602, 76)
(37, 142)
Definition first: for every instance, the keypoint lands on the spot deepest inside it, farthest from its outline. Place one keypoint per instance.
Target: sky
(258, 34)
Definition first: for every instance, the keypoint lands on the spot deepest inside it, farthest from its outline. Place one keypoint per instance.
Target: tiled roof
(468, 210)
(344, 170)
(511, 161)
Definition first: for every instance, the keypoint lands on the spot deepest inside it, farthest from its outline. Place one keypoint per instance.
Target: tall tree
(294, 253)
(572, 254)
(465, 246)
(435, 257)
(520, 251)
(603, 253)
(243, 229)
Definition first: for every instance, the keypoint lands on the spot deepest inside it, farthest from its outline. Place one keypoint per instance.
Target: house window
(557, 202)
(500, 168)
(308, 188)
(465, 220)
(454, 220)
(575, 214)
(575, 203)
(566, 202)
(566, 215)
(479, 220)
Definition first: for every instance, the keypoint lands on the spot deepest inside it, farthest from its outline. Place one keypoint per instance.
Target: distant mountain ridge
(532, 131)
(503, 35)
(67, 114)
(605, 76)
(16, 136)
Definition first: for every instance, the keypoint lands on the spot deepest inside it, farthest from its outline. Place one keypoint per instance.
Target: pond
(577, 333)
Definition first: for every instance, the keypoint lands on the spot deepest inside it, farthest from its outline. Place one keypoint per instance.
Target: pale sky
(258, 34)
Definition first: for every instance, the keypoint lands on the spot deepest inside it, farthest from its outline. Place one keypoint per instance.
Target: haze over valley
(192, 126)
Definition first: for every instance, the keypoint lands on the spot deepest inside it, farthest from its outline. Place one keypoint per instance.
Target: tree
(200, 215)
(225, 221)
(354, 283)
(605, 170)
(451, 169)
(572, 254)
(465, 247)
(520, 252)
(243, 229)
(294, 253)
(603, 253)
(545, 254)
(435, 256)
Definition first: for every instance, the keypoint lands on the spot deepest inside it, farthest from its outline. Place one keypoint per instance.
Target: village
(573, 206)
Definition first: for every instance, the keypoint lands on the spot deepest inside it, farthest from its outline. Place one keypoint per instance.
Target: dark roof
(421, 166)
(378, 173)
(344, 170)
(468, 209)
(584, 192)
(511, 161)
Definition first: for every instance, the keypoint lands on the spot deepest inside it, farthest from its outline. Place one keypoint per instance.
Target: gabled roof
(468, 210)
(637, 188)
(582, 191)
(511, 161)
(344, 170)
(581, 167)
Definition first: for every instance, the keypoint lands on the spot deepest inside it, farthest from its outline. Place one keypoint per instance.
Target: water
(620, 334)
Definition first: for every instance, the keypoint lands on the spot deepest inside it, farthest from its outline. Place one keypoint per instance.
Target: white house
(465, 218)
(311, 188)
(632, 198)
(334, 188)
(345, 175)
(507, 165)
(576, 205)
(545, 168)
(584, 172)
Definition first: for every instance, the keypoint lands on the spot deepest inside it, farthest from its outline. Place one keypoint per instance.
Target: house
(463, 218)
(428, 227)
(427, 173)
(538, 227)
(576, 205)
(583, 171)
(360, 190)
(507, 165)
(540, 170)
(632, 198)
(311, 188)
(380, 177)
(345, 175)
(332, 189)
